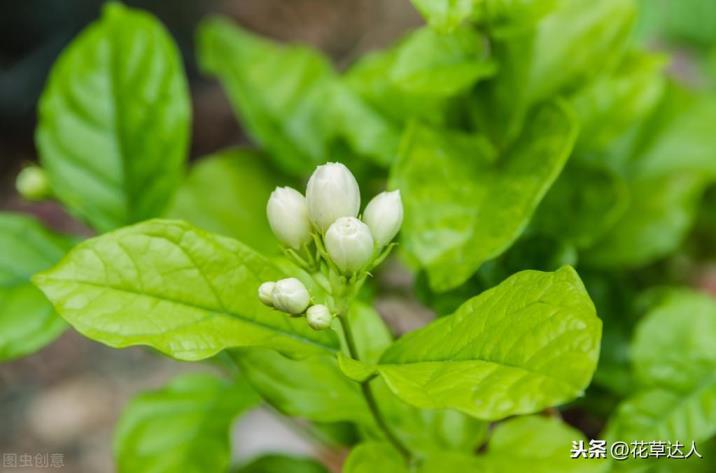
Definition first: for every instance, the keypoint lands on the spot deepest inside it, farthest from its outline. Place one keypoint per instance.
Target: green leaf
(529, 343)
(536, 444)
(667, 162)
(445, 15)
(461, 211)
(181, 427)
(612, 103)
(174, 287)
(420, 75)
(226, 193)
(114, 120)
(675, 361)
(374, 457)
(584, 203)
(276, 90)
(312, 388)
(674, 344)
(291, 101)
(354, 369)
(571, 46)
(282, 464)
(27, 321)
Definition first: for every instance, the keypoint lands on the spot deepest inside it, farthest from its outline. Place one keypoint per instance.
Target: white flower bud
(332, 192)
(319, 317)
(349, 244)
(266, 293)
(384, 215)
(288, 217)
(290, 295)
(32, 183)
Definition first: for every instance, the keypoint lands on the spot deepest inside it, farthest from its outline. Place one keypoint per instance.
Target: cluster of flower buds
(322, 232)
(291, 296)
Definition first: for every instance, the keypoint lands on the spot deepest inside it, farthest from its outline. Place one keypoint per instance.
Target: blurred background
(66, 398)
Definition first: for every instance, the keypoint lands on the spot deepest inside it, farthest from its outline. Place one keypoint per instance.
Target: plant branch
(370, 398)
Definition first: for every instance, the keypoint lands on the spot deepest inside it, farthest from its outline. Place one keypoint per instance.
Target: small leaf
(114, 120)
(27, 320)
(179, 289)
(354, 369)
(226, 193)
(373, 457)
(529, 343)
(181, 427)
(459, 210)
(282, 464)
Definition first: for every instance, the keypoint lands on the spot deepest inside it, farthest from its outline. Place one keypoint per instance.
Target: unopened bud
(290, 295)
(288, 216)
(266, 293)
(32, 183)
(319, 317)
(349, 244)
(332, 192)
(384, 215)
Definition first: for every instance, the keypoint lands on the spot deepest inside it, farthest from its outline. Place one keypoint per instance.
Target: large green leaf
(227, 193)
(27, 321)
(114, 120)
(181, 427)
(529, 343)
(675, 361)
(179, 289)
(461, 211)
(282, 464)
(667, 162)
(290, 100)
(312, 388)
(570, 47)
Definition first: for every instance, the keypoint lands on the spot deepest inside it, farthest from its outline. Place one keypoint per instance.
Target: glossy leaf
(529, 343)
(27, 320)
(227, 193)
(114, 120)
(181, 427)
(179, 289)
(459, 210)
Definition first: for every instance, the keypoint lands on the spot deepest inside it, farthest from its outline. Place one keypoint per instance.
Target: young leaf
(179, 289)
(114, 120)
(27, 320)
(181, 427)
(461, 212)
(312, 388)
(421, 73)
(374, 457)
(529, 343)
(282, 464)
(226, 193)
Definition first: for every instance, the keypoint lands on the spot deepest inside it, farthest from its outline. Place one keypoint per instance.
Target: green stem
(370, 396)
